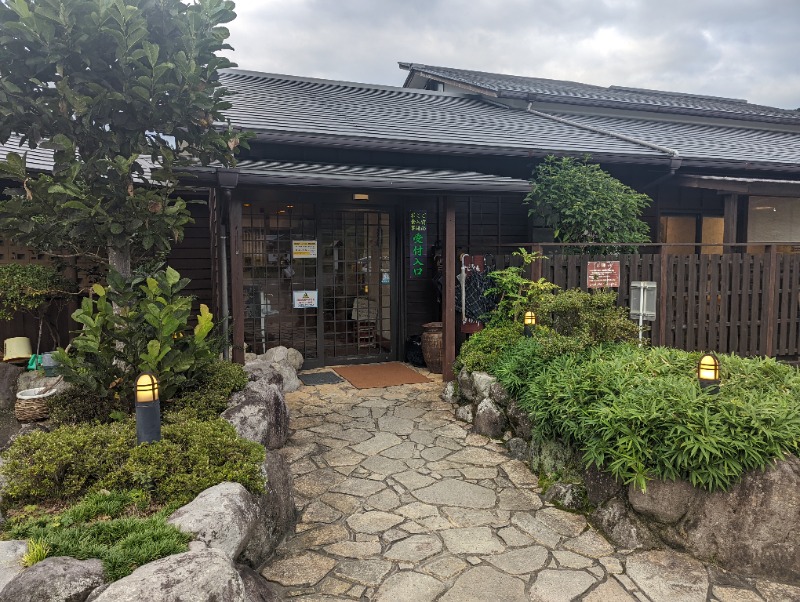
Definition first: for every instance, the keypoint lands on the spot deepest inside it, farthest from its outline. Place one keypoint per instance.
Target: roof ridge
(664, 149)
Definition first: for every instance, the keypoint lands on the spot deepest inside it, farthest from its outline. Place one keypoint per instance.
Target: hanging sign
(304, 249)
(418, 242)
(304, 299)
(602, 274)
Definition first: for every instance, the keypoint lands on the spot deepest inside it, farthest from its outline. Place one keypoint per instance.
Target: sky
(748, 49)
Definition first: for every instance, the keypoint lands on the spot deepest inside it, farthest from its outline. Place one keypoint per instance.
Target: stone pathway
(399, 502)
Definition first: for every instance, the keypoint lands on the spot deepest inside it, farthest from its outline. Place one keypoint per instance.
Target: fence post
(663, 260)
(536, 266)
(768, 320)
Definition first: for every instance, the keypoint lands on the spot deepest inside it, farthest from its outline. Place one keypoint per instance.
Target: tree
(583, 203)
(126, 93)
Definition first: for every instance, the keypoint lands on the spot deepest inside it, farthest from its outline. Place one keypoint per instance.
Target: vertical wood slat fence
(743, 303)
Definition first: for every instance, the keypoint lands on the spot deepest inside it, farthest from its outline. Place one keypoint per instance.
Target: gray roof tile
(706, 142)
(536, 88)
(281, 106)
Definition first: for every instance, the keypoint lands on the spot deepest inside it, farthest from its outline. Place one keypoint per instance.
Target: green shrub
(529, 355)
(595, 316)
(210, 397)
(641, 414)
(73, 406)
(137, 325)
(27, 287)
(481, 350)
(71, 461)
(105, 525)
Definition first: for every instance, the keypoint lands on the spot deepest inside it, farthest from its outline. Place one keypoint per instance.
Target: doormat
(370, 376)
(320, 378)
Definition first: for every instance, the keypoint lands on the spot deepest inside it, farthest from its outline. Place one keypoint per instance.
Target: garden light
(148, 408)
(708, 372)
(530, 321)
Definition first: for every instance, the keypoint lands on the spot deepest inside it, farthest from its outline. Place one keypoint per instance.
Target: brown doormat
(370, 376)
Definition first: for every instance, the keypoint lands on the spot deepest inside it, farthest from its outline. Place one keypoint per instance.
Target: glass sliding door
(318, 279)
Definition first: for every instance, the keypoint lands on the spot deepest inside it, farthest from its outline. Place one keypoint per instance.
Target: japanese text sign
(418, 242)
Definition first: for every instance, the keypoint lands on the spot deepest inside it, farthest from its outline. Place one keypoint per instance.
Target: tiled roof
(38, 159)
(706, 143)
(535, 88)
(281, 108)
(372, 177)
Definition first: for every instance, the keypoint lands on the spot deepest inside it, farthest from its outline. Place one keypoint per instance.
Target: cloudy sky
(736, 48)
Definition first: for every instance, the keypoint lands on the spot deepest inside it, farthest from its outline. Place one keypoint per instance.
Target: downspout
(227, 180)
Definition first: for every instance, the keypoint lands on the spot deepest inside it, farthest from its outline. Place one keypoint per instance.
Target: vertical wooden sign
(418, 242)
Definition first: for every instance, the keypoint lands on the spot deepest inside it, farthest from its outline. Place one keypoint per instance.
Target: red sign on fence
(602, 274)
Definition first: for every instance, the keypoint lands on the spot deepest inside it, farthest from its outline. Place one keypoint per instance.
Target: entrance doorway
(320, 280)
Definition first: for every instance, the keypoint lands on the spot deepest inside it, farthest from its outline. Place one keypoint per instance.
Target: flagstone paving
(400, 502)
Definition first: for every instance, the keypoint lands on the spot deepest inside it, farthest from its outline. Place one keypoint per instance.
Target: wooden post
(663, 260)
(770, 302)
(730, 218)
(449, 293)
(237, 277)
(536, 266)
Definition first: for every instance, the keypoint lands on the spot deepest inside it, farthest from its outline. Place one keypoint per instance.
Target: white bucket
(37, 393)
(16, 349)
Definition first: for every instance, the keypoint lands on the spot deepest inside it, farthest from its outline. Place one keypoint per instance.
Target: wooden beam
(449, 293)
(237, 277)
(730, 218)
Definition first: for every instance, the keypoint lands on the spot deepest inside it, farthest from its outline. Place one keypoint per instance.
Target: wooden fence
(744, 303)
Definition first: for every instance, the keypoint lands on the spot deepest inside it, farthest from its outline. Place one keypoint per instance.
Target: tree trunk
(119, 259)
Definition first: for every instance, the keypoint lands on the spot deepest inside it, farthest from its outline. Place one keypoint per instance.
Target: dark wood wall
(192, 256)
(484, 224)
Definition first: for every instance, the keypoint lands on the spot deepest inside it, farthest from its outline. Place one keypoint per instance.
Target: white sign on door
(304, 299)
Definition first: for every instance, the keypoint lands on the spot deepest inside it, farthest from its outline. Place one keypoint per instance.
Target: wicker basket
(31, 404)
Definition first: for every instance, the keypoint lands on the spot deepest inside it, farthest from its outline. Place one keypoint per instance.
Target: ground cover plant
(110, 525)
(639, 412)
(86, 490)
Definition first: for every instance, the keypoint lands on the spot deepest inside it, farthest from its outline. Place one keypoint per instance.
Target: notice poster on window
(304, 299)
(304, 249)
(602, 274)
(418, 242)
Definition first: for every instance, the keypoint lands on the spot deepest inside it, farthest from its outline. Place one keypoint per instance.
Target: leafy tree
(126, 93)
(583, 203)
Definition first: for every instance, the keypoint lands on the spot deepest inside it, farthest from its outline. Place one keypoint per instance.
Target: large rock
(276, 511)
(32, 379)
(489, 420)
(282, 355)
(263, 371)
(466, 389)
(464, 413)
(200, 576)
(289, 375)
(223, 516)
(498, 394)
(256, 588)
(518, 419)
(601, 485)
(57, 579)
(753, 528)
(450, 394)
(664, 501)
(259, 413)
(482, 385)
(549, 457)
(11, 553)
(9, 374)
(623, 527)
